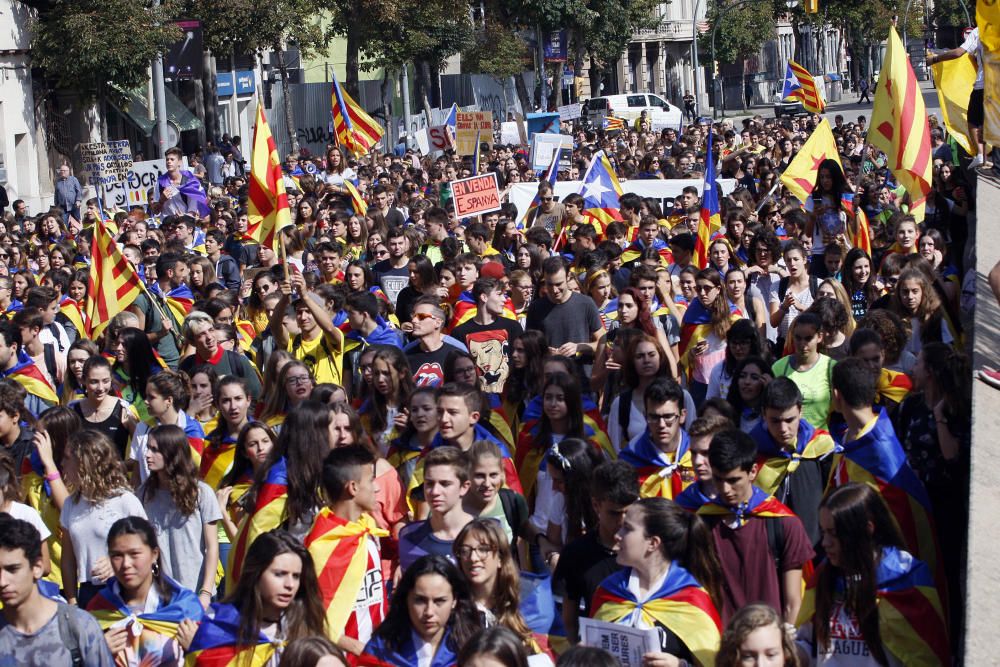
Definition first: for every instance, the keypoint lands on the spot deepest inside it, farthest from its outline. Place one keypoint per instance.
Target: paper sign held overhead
(476, 195)
(108, 162)
(468, 125)
(570, 111)
(544, 145)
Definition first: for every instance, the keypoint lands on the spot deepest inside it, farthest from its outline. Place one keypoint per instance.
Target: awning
(133, 105)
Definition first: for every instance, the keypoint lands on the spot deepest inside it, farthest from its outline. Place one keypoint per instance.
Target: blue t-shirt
(418, 540)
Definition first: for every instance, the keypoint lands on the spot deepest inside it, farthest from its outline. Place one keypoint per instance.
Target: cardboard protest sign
(439, 137)
(469, 125)
(476, 195)
(570, 111)
(108, 162)
(544, 145)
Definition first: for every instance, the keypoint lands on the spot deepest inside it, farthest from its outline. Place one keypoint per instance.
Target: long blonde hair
(101, 471)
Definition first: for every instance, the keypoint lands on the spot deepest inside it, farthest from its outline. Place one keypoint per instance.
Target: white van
(661, 113)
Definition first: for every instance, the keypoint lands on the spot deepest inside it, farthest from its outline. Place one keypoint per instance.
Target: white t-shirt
(140, 440)
(29, 514)
(333, 178)
(804, 297)
(846, 648)
(550, 506)
(88, 525)
(973, 47)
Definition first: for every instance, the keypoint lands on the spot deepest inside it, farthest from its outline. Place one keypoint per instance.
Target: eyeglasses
(423, 316)
(667, 419)
(381, 253)
(465, 553)
(704, 289)
(298, 379)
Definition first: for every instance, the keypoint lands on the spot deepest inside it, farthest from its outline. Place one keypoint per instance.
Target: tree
(740, 30)
(501, 53)
(84, 45)
(256, 26)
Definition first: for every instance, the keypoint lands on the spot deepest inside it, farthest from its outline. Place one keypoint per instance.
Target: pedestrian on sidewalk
(864, 87)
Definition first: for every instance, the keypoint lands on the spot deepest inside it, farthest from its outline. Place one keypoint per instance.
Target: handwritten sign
(439, 137)
(570, 111)
(476, 195)
(624, 642)
(544, 145)
(469, 124)
(108, 162)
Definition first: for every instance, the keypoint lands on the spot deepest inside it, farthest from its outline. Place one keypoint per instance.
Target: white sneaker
(976, 161)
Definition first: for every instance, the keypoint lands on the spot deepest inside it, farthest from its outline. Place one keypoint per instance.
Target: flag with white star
(601, 191)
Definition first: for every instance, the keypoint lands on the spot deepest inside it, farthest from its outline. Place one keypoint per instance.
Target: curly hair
(179, 475)
(748, 619)
(101, 471)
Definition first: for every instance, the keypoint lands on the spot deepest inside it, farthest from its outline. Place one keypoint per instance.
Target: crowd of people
(415, 440)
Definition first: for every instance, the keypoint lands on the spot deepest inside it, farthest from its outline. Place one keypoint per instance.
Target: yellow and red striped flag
(339, 550)
(268, 202)
(799, 84)
(899, 125)
(358, 202)
(354, 130)
(114, 284)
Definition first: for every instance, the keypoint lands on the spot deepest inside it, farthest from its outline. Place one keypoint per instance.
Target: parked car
(787, 107)
(661, 113)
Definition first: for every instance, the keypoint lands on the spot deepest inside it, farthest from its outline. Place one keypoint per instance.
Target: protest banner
(476, 195)
(625, 643)
(469, 125)
(542, 147)
(570, 111)
(107, 162)
(521, 194)
(439, 137)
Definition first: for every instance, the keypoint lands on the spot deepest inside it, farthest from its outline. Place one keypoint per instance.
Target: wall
(19, 146)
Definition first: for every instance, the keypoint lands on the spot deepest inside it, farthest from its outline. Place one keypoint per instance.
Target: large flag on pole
(800, 176)
(268, 202)
(801, 85)
(899, 125)
(114, 283)
(355, 131)
(711, 211)
(954, 80)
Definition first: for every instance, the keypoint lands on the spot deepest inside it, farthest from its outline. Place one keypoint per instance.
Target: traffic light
(811, 6)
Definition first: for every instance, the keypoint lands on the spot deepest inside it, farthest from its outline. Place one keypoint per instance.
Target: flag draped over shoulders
(340, 553)
(217, 643)
(109, 608)
(761, 505)
(268, 513)
(29, 376)
(661, 475)
(910, 616)
(403, 653)
(776, 462)
(681, 605)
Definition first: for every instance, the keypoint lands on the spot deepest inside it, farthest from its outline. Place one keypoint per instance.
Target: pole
(410, 140)
(543, 101)
(161, 101)
(694, 55)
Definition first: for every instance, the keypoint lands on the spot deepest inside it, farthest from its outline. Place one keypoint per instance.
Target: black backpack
(783, 286)
(69, 632)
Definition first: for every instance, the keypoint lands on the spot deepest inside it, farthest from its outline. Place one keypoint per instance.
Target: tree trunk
(424, 80)
(353, 57)
(210, 95)
(286, 100)
(522, 93)
(391, 128)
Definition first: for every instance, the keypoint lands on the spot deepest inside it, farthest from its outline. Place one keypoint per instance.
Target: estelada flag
(760, 505)
(529, 457)
(635, 249)
(339, 550)
(911, 619)
(108, 608)
(800, 85)
(378, 653)
(217, 460)
(899, 125)
(601, 191)
(267, 514)
(353, 129)
(775, 462)
(113, 285)
(711, 211)
(179, 300)
(954, 80)
(681, 605)
(876, 458)
(29, 376)
(661, 475)
(894, 385)
(217, 642)
(267, 201)
(800, 175)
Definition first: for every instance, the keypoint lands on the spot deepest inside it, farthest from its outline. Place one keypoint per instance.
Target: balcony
(667, 30)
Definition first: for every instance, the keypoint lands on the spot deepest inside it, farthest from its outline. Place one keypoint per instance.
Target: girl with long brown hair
(184, 511)
(703, 331)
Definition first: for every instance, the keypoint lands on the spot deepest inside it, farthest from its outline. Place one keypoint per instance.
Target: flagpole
(768, 195)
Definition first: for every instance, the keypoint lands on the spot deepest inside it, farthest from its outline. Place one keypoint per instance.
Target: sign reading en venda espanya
(476, 195)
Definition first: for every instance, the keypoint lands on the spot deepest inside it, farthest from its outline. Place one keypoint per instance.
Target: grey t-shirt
(572, 322)
(47, 647)
(181, 538)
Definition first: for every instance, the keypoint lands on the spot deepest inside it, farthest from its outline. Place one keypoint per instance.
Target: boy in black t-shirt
(588, 560)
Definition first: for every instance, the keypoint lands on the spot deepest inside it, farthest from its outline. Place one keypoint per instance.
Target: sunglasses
(420, 317)
(546, 198)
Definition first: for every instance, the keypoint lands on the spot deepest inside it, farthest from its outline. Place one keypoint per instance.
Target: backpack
(512, 511)
(69, 632)
(783, 286)
(775, 540)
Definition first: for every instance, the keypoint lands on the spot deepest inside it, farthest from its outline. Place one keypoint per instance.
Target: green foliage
(254, 26)
(741, 29)
(430, 30)
(949, 13)
(86, 44)
(611, 25)
(496, 51)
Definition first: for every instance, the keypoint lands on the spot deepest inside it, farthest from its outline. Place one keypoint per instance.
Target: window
(637, 101)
